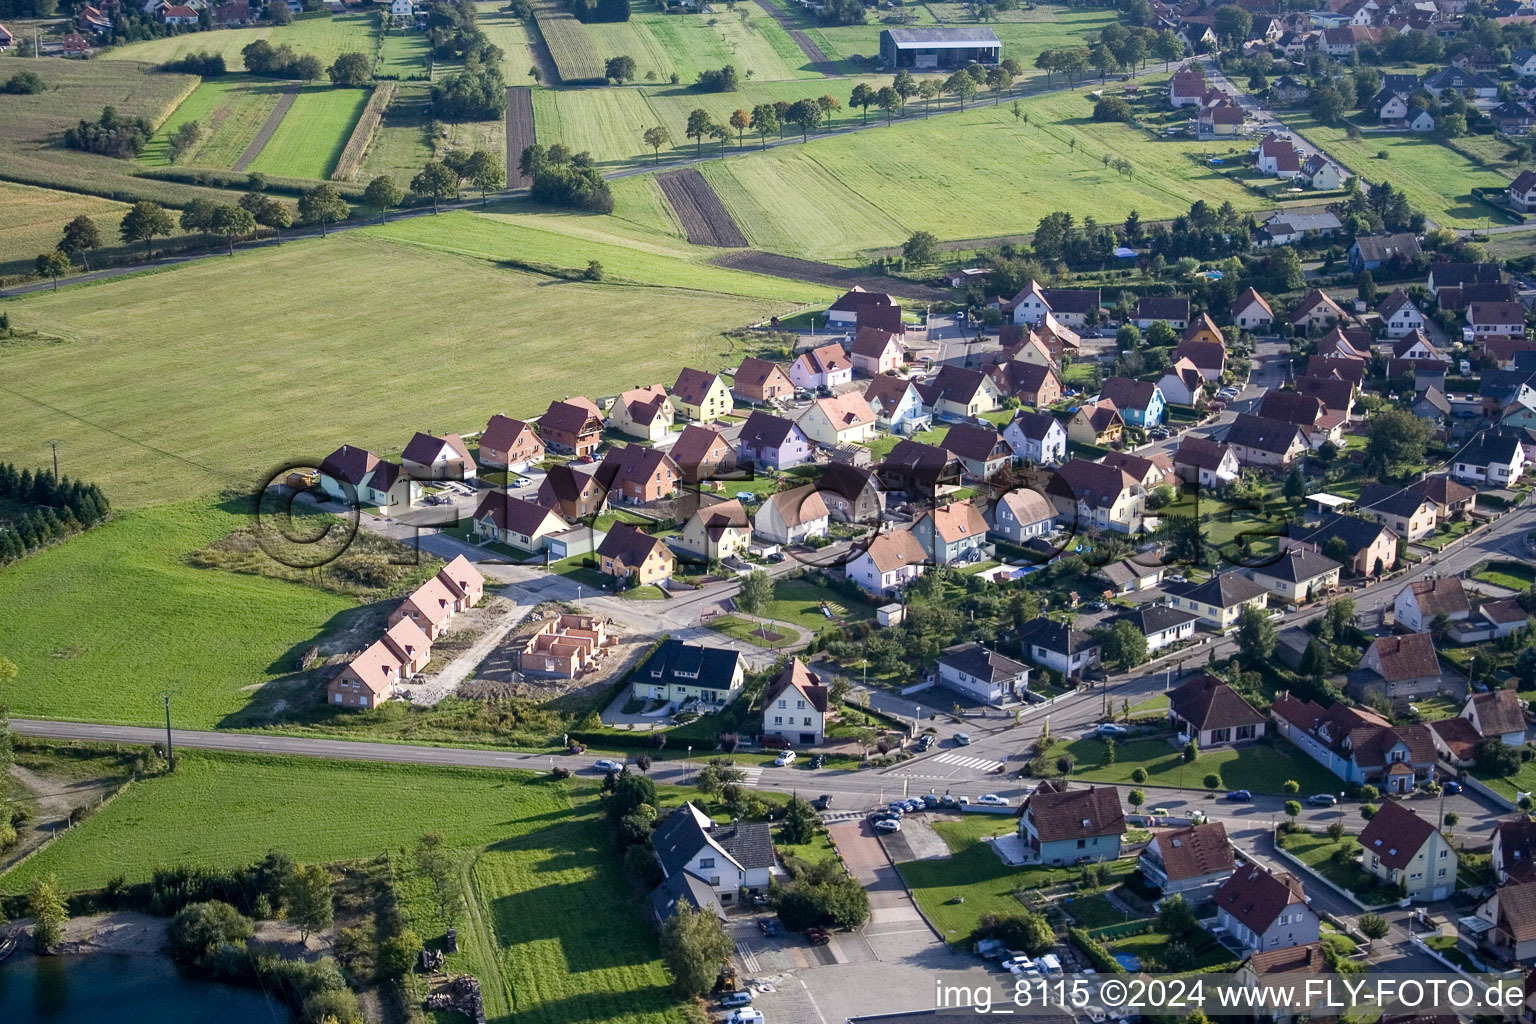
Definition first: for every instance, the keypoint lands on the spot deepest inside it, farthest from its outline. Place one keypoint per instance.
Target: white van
(745, 1015)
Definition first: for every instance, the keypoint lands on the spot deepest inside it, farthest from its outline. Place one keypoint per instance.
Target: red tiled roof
(1208, 703)
(1195, 851)
(1075, 813)
(1256, 898)
(1395, 834)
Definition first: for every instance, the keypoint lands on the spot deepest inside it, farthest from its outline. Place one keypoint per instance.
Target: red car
(818, 936)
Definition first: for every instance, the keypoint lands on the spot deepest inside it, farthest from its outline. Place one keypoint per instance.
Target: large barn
(939, 47)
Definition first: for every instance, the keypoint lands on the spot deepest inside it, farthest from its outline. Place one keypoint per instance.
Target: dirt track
(832, 276)
(820, 62)
(520, 132)
(705, 219)
(268, 128)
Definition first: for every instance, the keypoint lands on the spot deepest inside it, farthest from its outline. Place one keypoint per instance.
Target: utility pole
(170, 753)
(54, 444)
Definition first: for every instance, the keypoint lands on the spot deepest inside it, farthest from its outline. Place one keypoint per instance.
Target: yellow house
(702, 396)
(645, 413)
(717, 531)
(1400, 848)
(1096, 423)
(1203, 329)
(630, 553)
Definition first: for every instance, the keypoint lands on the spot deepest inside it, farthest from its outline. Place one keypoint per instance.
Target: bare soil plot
(704, 218)
(828, 274)
(820, 62)
(520, 132)
(268, 128)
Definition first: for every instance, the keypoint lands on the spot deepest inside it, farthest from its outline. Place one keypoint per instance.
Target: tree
(1168, 47)
(905, 85)
(440, 867)
(805, 115)
(1109, 751)
(699, 124)
(1495, 758)
(197, 215)
(1291, 787)
(484, 171)
(183, 140)
(1451, 818)
(1293, 809)
(1452, 126)
(863, 97)
(231, 222)
(383, 194)
(765, 121)
(1365, 287)
(323, 205)
(1136, 799)
(46, 908)
(888, 101)
(277, 13)
(144, 222)
(1124, 646)
(200, 929)
(755, 593)
(397, 954)
(80, 236)
(1374, 926)
(1175, 917)
(53, 264)
(1232, 24)
(435, 181)
(1337, 548)
(741, 120)
(693, 945)
(274, 214)
(1395, 442)
(351, 71)
(800, 822)
(1138, 775)
(630, 792)
(1256, 635)
(920, 249)
(307, 899)
(1212, 782)
(999, 79)
(961, 85)
(1327, 105)
(715, 776)
(656, 138)
(619, 69)
(1295, 484)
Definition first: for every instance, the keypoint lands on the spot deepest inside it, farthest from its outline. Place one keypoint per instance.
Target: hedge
(1094, 950)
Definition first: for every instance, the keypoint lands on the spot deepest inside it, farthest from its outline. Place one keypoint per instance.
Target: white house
(1058, 646)
(793, 516)
(796, 705)
(1022, 514)
(1399, 315)
(1421, 602)
(827, 366)
(1264, 911)
(982, 674)
(438, 458)
(891, 561)
(356, 475)
(1494, 459)
(842, 419)
(730, 859)
(1037, 437)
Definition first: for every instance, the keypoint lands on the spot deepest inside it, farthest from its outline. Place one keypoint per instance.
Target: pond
(124, 990)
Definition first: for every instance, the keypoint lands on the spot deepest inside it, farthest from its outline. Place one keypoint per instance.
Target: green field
(313, 133)
(32, 220)
(146, 404)
(101, 625)
(403, 54)
(1436, 179)
(1262, 768)
(230, 110)
(326, 38)
(667, 44)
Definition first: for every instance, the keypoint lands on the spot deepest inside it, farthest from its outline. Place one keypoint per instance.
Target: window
(800, 705)
(1081, 844)
(778, 720)
(706, 862)
(807, 721)
(783, 704)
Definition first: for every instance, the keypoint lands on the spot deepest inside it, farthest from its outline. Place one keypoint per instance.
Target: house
(572, 493)
(702, 396)
(1139, 403)
(1172, 310)
(960, 393)
(521, 524)
(1222, 118)
(757, 380)
(1161, 625)
(366, 681)
(1022, 514)
(1389, 106)
(410, 645)
(1523, 63)
(506, 443)
(1432, 405)
(1182, 383)
(1187, 86)
(1060, 825)
(1033, 384)
(1264, 911)
(1265, 443)
(438, 458)
(1367, 546)
(682, 889)
(1055, 645)
(359, 477)
(1338, 402)
(1459, 275)
(1400, 848)
(1372, 252)
(951, 533)
(825, 367)
(637, 474)
(1321, 174)
(6, 39)
(1150, 471)
(771, 442)
(1093, 495)
(1278, 158)
(1514, 850)
(1251, 312)
(644, 413)
(1497, 460)
(1348, 345)
(1522, 191)
(1288, 91)
(1499, 319)
(566, 646)
(982, 674)
(1452, 500)
(981, 450)
(922, 470)
(1286, 227)
(681, 672)
(793, 516)
(572, 426)
(1037, 437)
(702, 454)
(1421, 602)
(1351, 370)
(874, 352)
(796, 705)
(629, 554)
(1414, 345)
(1512, 117)
(1097, 423)
(732, 860)
(1210, 712)
(890, 561)
(845, 311)
(898, 405)
(1219, 601)
(1189, 861)
(1496, 715)
(430, 606)
(841, 419)
(717, 532)
(1316, 310)
(1507, 922)
(1070, 307)
(1303, 411)
(1471, 84)
(177, 14)
(1403, 667)
(1209, 357)
(1298, 575)
(463, 582)
(1357, 744)
(1199, 460)
(1409, 514)
(1399, 316)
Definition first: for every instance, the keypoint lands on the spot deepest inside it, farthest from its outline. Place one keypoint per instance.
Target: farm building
(931, 47)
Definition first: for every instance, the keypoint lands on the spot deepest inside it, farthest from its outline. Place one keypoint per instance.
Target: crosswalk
(748, 959)
(981, 764)
(750, 773)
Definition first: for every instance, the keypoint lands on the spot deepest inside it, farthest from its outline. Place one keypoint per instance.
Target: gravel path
(820, 62)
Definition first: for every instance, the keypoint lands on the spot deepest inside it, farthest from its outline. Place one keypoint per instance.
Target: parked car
(770, 927)
(930, 800)
(1322, 799)
(924, 741)
(888, 825)
(1159, 812)
(746, 1015)
(818, 936)
(818, 760)
(962, 739)
(1238, 796)
(992, 800)
(1111, 729)
(948, 801)
(897, 807)
(1451, 787)
(1095, 606)
(742, 998)
(822, 802)
(1019, 965)
(606, 765)
(785, 759)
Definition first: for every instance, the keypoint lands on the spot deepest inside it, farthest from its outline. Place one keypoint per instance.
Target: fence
(1483, 789)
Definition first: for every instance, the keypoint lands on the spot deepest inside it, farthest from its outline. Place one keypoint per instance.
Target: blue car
(1452, 787)
(1238, 796)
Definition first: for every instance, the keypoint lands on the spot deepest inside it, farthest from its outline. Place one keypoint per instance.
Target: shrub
(208, 65)
(110, 135)
(725, 79)
(23, 83)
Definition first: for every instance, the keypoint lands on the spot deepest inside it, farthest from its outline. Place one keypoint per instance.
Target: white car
(605, 765)
(745, 1015)
(992, 800)
(888, 825)
(1019, 965)
(785, 759)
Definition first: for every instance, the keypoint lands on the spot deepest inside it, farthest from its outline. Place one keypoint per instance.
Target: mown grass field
(149, 407)
(667, 44)
(1262, 768)
(313, 133)
(33, 219)
(231, 111)
(326, 38)
(1436, 179)
(402, 54)
(99, 626)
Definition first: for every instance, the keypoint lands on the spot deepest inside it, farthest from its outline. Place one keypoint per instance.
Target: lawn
(761, 634)
(799, 602)
(1433, 709)
(1317, 853)
(33, 219)
(147, 408)
(313, 133)
(102, 625)
(1261, 768)
(326, 38)
(1523, 781)
(406, 53)
(1514, 575)
(230, 110)
(746, 37)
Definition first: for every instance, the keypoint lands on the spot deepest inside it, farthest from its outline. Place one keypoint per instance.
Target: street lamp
(686, 766)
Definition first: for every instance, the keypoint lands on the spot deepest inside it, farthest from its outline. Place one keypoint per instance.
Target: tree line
(59, 508)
